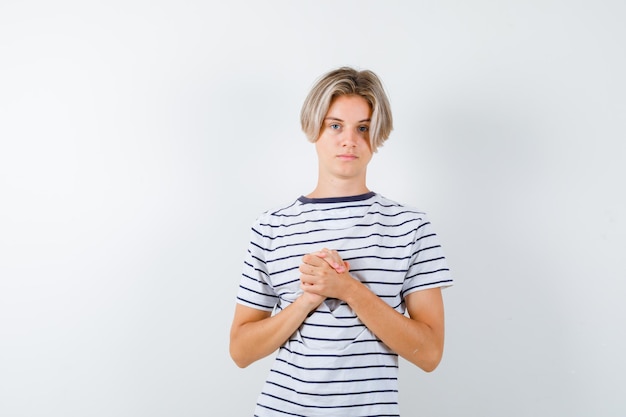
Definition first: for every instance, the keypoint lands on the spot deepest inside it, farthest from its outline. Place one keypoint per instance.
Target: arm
(418, 338)
(255, 334)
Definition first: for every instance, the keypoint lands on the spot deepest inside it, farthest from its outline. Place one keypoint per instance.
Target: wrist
(354, 291)
(308, 302)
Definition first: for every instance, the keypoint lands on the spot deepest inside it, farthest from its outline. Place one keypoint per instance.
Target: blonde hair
(347, 81)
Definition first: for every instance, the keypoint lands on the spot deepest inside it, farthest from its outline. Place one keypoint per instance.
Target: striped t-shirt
(333, 365)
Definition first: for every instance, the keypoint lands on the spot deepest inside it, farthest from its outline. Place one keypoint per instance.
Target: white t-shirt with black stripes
(333, 365)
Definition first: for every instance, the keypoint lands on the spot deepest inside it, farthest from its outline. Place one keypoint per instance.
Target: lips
(347, 157)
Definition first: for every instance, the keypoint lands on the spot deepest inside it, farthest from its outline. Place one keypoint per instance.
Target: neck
(338, 188)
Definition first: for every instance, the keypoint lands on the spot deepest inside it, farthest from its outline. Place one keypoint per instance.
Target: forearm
(254, 340)
(417, 338)
(412, 339)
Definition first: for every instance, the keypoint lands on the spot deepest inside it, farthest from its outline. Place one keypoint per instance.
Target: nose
(350, 138)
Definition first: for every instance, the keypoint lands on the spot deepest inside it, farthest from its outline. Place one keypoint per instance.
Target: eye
(363, 128)
(334, 126)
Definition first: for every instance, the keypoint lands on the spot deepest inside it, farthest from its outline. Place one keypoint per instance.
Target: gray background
(139, 141)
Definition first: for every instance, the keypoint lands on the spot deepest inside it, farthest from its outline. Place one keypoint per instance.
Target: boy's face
(343, 147)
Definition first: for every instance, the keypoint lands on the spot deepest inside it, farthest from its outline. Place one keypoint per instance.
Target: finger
(306, 269)
(334, 259)
(330, 263)
(313, 259)
(308, 288)
(307, 280)
(322, 253)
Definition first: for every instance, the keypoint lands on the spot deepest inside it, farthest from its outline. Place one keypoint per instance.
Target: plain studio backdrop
(140, 140)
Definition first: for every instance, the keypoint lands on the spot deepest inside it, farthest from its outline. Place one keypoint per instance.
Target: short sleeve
(428, 267)
(255, 290)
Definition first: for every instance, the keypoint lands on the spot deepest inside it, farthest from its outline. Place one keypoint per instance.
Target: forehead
(349, 107)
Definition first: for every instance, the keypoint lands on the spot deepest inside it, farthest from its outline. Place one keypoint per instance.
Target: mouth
(347, 157)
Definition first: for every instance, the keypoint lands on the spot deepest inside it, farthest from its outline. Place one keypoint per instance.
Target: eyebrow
(340, 120)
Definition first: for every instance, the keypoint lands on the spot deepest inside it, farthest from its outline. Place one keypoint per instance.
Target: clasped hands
(324, 274)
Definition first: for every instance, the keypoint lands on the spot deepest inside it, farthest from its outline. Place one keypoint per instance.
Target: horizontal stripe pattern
(333, 365)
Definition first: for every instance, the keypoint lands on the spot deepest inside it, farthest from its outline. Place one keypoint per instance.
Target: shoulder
(389, 206)
(278, 214)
